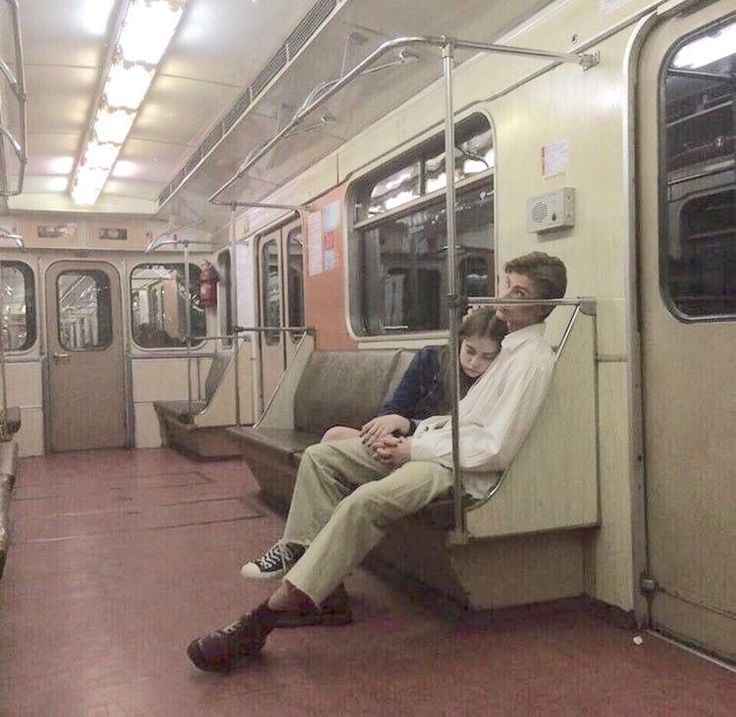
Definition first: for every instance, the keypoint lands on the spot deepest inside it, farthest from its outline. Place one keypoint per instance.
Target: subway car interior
(227, 226)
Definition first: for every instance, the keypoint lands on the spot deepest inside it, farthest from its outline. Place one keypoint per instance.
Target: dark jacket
(420, 393)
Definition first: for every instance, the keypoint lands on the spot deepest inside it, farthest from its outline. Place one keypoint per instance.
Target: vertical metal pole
(448, 54)
(188, 325)
(234, 312)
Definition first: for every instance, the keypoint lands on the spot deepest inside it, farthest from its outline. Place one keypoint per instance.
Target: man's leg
(359, 522)
(316, 493)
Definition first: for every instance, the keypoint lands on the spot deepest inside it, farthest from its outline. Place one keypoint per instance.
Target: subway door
(85, 356)
(687, 278)
(272, 343)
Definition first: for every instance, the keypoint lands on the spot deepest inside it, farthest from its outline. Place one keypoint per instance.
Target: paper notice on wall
(331, 217)
(314, 243)
(555, 158)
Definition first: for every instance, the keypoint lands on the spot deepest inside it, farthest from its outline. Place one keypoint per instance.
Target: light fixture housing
(143, 37)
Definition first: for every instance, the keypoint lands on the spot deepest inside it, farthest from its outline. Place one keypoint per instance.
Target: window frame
(91, 273)
(424, 149)
(32, 314)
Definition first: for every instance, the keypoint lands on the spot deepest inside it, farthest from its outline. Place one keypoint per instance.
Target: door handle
(61, 358)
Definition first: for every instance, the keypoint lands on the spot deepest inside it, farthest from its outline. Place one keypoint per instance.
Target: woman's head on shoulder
(480, 336)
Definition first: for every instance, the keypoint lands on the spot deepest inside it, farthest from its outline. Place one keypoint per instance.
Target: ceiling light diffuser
(146, 32)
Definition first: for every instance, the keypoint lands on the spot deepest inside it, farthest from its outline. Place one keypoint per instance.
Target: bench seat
(13, 419)
(8, 477)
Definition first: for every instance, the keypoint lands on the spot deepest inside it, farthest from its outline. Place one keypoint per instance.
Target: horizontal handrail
(169, 356)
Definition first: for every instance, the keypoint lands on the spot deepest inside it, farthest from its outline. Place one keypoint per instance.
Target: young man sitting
(329, 529)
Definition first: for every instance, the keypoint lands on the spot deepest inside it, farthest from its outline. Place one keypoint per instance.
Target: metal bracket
(647, 584)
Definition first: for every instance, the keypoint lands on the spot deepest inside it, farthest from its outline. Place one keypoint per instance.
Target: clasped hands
(379, 439)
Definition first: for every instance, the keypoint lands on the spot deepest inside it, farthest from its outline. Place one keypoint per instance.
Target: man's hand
(393, 451)
(381, 426)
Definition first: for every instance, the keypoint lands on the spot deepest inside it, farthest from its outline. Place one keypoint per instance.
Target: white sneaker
(274, 563)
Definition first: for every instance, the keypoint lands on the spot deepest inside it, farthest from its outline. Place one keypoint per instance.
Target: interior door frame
(120, 273)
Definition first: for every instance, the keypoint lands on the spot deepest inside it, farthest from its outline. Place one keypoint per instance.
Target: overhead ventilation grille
(295, 42)
(278, 62)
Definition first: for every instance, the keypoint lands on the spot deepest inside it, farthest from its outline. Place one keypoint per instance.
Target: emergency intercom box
(553, 210)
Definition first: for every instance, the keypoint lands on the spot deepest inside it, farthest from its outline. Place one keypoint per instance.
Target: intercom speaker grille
(539, 211)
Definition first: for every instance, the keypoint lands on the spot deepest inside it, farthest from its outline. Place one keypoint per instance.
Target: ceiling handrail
(17, 85)
(330, 88)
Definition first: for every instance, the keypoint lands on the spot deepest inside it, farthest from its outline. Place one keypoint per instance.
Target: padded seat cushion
(278, 440)
(345, 388)
(13, 419)
(8, 459)
(180, 409)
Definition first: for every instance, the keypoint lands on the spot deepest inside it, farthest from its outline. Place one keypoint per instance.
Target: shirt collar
(517, 338)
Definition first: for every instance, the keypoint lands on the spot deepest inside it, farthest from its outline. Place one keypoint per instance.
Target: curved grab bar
(18, 86)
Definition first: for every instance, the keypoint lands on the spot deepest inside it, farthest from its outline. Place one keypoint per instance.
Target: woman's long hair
(483, 323)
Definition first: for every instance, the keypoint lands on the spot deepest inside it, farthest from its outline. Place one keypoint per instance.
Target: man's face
(519, 286)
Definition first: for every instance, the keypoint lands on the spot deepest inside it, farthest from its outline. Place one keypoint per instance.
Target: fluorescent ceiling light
(85, 195)
(126, 86)
(707, 49)
(102, 156)
(148, 28)
(112, 125)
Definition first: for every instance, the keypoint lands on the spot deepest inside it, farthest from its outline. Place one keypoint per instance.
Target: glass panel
(271, 290)
(158, 304)
(224, 298)
(472, 156)
(404, 263)
(295, 277)
(18, 324)
(85, 309)
(698, 195)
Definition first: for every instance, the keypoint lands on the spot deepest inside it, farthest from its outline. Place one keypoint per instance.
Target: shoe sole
(195, 654)
(326, 619)
(253, 573)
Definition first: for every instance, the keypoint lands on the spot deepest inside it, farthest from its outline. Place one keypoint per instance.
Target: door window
(271, 290)
(84, 306)
(698, 192)
(295, 277)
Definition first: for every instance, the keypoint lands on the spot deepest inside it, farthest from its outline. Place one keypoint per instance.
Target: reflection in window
(295, 277)
(411, 180)
(85, 309)
(158, 305)
(405, 263)
(698, 237)
(224, 295)
(18, 299)
(271, 290)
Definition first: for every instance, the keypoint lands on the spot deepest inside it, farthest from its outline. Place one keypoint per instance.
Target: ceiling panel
(154, 161)
(179, 110)
(229, 41)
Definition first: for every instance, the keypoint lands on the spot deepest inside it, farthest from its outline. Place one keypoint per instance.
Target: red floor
(120, 558)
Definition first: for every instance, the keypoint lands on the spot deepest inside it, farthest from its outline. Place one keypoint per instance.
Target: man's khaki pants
(341, 527)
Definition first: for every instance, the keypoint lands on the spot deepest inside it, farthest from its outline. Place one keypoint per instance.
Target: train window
(224, 299)
(698, 190)
(18, 325)
(295, 278)
(84, 306)
(399, 254)
(271, 290)
(158, 305)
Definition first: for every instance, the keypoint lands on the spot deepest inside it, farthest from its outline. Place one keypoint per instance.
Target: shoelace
(278, 555)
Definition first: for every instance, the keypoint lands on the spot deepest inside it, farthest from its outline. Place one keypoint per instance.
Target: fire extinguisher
(208, 285)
